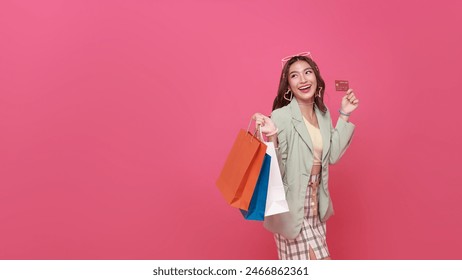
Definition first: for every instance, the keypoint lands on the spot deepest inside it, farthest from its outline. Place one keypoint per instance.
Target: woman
(301, 128)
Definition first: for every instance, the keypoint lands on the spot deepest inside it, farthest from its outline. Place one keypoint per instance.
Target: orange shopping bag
(239, 175)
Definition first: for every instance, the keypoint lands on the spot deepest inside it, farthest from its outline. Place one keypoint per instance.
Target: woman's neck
(307, 109)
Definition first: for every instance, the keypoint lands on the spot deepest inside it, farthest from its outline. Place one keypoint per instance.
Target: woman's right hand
(266, 124)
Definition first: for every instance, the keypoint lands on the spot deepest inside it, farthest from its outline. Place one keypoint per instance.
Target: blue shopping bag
(257, 205)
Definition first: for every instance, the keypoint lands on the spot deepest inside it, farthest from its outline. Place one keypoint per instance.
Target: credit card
(341, 85)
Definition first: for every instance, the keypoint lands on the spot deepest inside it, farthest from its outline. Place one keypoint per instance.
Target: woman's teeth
(305, 89)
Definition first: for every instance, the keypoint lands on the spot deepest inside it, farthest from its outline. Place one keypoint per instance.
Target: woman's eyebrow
(309, 68)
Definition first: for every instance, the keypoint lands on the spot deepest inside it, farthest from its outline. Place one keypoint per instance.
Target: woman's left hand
(349, 102)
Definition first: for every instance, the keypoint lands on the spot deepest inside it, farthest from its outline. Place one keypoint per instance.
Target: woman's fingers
(259, 119)
(264, 123)
(351, 97)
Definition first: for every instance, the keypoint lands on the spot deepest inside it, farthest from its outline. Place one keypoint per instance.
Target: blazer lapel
(324, 126)
(299, 124)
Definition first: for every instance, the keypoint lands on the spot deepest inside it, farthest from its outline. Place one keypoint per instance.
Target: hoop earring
(319, 93)
(291, 95)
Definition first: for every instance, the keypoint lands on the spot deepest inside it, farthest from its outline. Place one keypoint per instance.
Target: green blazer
(296, 160)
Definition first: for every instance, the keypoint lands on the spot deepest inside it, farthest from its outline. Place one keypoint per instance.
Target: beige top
(316, 138)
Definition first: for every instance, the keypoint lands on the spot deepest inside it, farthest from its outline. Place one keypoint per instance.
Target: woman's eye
(308, 72)
(293, 76)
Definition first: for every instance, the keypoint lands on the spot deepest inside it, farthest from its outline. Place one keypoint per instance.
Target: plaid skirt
(312, 234)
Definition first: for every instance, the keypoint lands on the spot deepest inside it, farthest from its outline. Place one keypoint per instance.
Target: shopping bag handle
(255, 132)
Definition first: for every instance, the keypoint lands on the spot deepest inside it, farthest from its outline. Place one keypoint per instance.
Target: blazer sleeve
(282, 150)
(341, 137)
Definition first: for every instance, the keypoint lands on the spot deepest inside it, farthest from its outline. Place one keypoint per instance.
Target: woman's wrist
(272, 133)
(343, 113)
(345, 118)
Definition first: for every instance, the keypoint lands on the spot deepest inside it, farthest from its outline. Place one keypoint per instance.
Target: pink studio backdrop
(116, 118)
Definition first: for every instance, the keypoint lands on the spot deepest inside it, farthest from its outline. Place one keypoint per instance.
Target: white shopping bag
(276, 202)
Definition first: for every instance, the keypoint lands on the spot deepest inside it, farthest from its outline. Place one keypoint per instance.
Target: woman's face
(302, 81)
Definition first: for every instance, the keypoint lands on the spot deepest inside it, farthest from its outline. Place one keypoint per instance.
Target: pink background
(116, 118)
